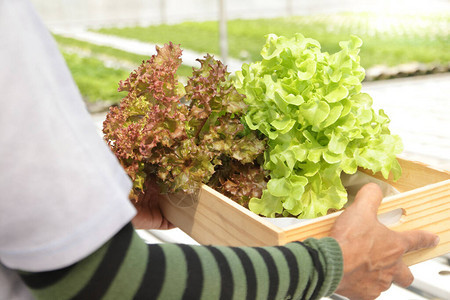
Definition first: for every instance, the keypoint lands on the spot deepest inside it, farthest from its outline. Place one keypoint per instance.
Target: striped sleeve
(126, 268)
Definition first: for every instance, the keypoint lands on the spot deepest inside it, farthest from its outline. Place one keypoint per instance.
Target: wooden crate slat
(414, 175)
(424, 200)
(221, 221)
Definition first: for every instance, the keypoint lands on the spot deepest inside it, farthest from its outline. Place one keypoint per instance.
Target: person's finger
(418, 239)
(151, 186)
(404, 277)
(368, 199)
(165, 225)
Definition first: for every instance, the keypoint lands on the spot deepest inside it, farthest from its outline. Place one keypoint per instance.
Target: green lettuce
(318, 123)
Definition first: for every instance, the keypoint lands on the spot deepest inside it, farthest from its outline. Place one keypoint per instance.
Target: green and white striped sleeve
(127, 268)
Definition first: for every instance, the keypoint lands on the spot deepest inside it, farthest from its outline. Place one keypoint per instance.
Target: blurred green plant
(65, 42)
(388, 39)
(112, 53)
(96, 81)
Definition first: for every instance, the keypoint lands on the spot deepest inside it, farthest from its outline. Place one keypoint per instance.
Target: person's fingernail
(436, 241)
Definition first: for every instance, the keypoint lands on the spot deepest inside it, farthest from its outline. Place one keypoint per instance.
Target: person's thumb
(368, 199)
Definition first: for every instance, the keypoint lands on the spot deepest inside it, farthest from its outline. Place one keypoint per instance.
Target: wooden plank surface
(414, 175)
(424, 203)
(426, 208)
(215, 219)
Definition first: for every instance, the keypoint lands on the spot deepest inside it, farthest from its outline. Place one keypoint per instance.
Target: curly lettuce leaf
(318, 124)
(179, 133)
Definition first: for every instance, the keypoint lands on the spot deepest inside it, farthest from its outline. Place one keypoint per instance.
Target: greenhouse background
(142, 12)
(409, 41)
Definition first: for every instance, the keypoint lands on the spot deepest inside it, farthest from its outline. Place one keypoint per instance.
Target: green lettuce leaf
(309, 105)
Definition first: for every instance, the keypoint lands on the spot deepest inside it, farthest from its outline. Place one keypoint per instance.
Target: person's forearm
(127, 268)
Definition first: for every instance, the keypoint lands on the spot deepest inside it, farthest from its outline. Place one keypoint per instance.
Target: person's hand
(372, 252)
(149, 215)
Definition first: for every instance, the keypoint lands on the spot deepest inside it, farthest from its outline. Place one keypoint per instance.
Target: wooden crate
(424, 199)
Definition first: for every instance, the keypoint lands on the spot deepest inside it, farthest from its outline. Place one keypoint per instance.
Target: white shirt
(62, 192)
